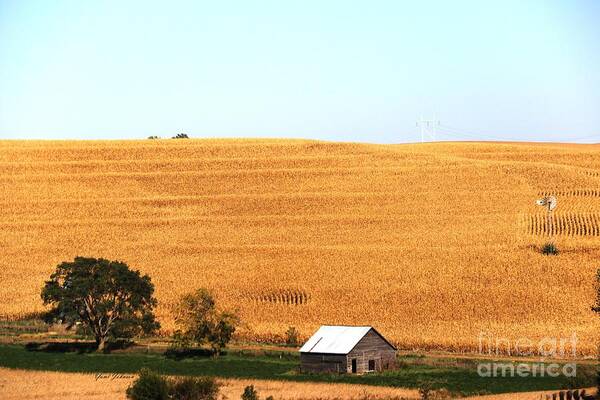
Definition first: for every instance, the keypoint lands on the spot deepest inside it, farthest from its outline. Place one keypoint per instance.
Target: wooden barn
(347, 349)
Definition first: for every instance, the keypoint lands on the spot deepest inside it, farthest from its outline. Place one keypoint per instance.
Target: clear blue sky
(335, 70)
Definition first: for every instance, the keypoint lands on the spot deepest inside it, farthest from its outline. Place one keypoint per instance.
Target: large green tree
(200, 322)
(107, 297)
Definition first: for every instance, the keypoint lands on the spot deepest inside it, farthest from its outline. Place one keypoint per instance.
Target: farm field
(67, 386)
(432, 244)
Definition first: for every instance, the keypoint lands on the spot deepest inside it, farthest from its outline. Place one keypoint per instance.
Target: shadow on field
(76, 347)
(187, 353)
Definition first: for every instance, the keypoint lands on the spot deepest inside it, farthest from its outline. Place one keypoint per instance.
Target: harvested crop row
(570, 224)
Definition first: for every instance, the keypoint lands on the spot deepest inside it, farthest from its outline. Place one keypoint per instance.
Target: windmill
(549, 202)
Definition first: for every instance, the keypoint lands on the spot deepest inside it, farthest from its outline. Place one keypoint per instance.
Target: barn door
(354, 365)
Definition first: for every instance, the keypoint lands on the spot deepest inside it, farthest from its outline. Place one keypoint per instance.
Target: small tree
(222, 331)
(107, 297)
(291, 336)
(201, 323)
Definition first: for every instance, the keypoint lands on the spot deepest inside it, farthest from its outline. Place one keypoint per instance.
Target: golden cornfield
(432, 244)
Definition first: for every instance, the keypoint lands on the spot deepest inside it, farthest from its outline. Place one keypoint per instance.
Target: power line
(430, 128)
(450, 131)
(596, 136)
(479, 136)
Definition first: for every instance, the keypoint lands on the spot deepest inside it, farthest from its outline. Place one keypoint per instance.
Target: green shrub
(427, 391)
(291, 336)
(148, 386)
(152, 386)
(250, 393)
(192, 388)
(549, 249)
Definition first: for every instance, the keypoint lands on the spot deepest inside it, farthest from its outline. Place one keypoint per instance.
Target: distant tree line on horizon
(178, 136)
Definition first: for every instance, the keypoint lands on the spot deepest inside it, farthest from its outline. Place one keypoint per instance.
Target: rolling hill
(434, 244)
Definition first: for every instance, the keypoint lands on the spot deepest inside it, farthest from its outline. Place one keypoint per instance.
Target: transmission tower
(428, 129)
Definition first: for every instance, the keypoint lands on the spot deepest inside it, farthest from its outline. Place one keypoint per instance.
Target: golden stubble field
(19, 384)
(28, 385)
(430, 243)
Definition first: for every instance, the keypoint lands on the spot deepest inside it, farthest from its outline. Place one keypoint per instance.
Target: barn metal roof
(335, 339)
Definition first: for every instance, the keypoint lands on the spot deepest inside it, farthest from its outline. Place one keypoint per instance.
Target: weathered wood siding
(315, 362)
(372, 347)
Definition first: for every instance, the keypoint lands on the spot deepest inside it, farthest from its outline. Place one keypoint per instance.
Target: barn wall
(315, 362)
(372, 347)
